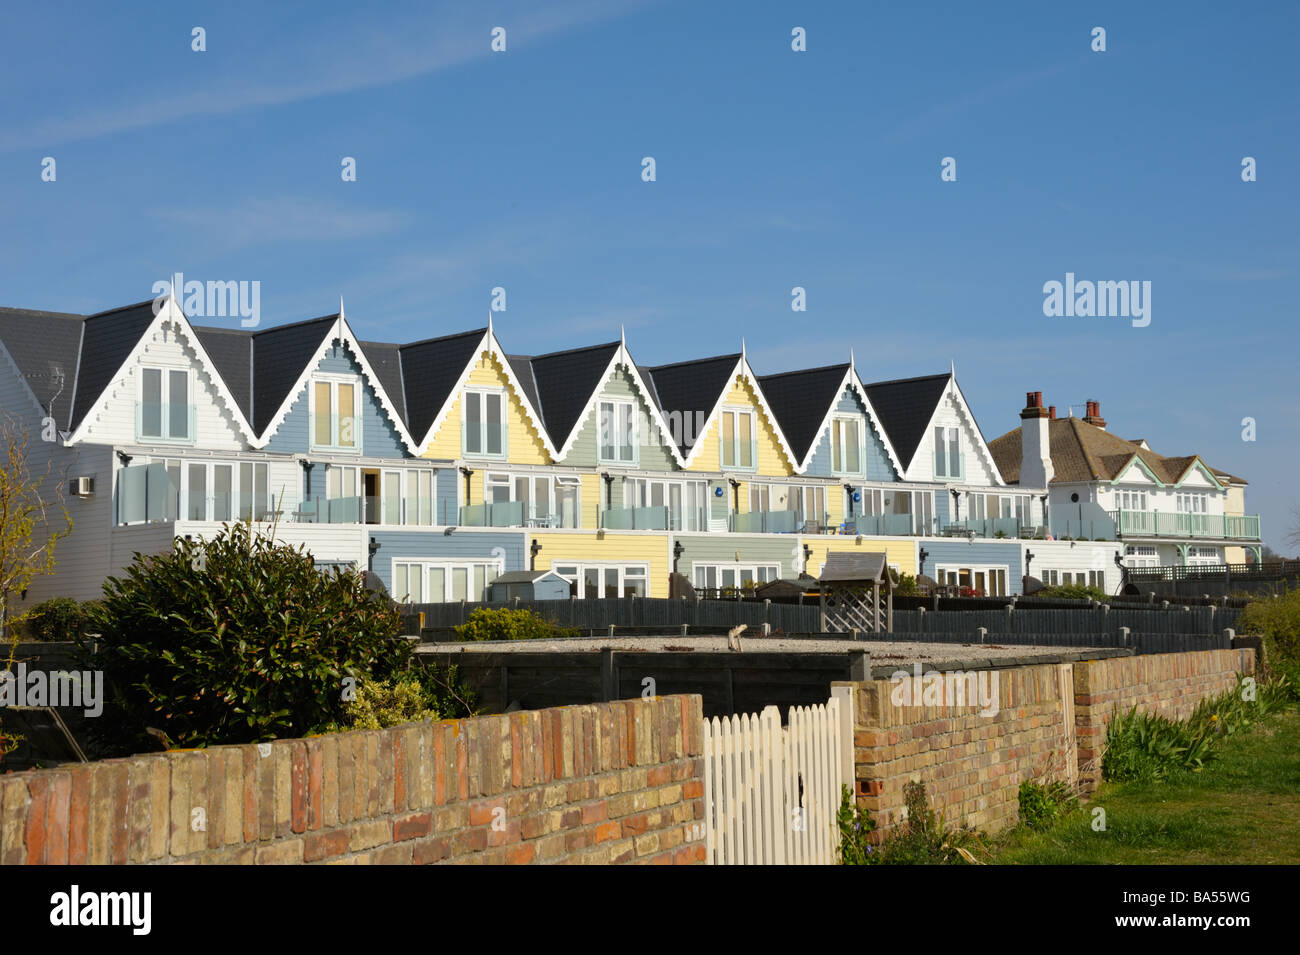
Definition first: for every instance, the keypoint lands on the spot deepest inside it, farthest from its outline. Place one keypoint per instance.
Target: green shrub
(56, 619)
(1041, 804)
(855, 828)
(505, 624)
(1147, 747)
(924, 839)
(1074, 592)
(378, 705)
(235, 640)
(1277, 620)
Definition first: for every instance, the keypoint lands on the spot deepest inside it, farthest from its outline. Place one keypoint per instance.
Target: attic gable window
(618, 432)
(335, 414)
(484, 426)
(947, 453)
(164, 410)
(846, 446)
(737, 438)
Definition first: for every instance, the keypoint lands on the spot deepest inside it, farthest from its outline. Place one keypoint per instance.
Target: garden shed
(529, 585)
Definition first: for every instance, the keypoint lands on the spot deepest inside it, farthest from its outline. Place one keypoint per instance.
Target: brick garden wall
(1170, 684)
(603, 783)
(1051, 722)
(972, 764)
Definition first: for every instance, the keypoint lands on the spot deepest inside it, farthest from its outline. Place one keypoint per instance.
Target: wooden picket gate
(771, 793)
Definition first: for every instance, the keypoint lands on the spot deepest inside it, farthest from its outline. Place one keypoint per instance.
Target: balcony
(1203, 526)
(636, 519)
(766, 522)
(497, 514)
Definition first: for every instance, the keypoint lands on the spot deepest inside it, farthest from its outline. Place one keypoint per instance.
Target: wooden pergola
(857, 593)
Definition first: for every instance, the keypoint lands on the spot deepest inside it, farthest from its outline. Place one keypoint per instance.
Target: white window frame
(629, 454)
(484, 392)
(993, 574)
(949, 438)
(688, 518)
(575, 572)
(165, 405)
(336, 418)
(761, 572)
(737, 441)
(839, 427)
(494, 565)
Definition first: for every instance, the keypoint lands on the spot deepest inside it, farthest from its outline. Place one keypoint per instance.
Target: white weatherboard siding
(977, 470)
(325, 542)
(214, 424)
(1082, 558)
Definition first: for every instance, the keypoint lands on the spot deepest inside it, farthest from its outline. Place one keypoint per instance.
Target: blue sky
(775, 169)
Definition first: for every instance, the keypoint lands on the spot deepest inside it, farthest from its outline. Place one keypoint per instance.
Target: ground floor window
(1141, 555)
(439, 581)
(714, 576)
(1068, 578)
(983, 581)
(605, 580)
(1204, 556)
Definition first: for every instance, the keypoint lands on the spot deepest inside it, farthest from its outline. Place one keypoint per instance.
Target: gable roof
(280, 356)
(45, 348)
(386, 362)
(905, 407)
(109, 339)
(692, 388)
(431, 370)
(231, 350)
(800, 400)
(564, 383)
(1082, 452)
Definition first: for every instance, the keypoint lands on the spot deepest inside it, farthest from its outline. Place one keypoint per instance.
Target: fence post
(464, 618)
(573, 609)
(611, 630)
(1123, 636)
(609, 689)
(1231, 634)
(859, 666)
(1010, 609)
(767, 615)
(1105, 618)
(685, 628)
(843, 696)
(920, 628)
(984, 633)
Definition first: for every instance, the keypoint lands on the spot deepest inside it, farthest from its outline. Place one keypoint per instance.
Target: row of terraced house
(442, 464)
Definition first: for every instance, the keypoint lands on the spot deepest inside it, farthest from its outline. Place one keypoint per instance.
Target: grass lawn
(1243, 808)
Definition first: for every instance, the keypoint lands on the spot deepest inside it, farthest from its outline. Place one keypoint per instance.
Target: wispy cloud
(310, 64)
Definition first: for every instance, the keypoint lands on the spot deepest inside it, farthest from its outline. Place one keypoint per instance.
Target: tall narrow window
(845, 442)
(164, 405)
(617, 432)
(737, 437)
(485, 432)
(334, 415)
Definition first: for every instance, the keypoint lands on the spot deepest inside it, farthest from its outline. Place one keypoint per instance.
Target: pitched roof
(905, 407)
(109, 338)
(564, 382)
(386, 362)
(1084, 452)
(280, 355)
(431, 369)
(45, 346)
(692, 388)
(800, 400)
(231, 350)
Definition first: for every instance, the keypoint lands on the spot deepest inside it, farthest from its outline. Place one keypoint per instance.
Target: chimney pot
(1029, 399)
(1051, 412)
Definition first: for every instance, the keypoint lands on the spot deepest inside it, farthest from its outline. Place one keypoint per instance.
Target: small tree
(237, 639)
(32, 520)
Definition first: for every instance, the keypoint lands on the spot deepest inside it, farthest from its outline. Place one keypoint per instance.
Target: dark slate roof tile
(280, 356)
(231, 350)
(386, 362)
(692, 388)
(566, 381)
(800, 400)
(431, 369)
(905, 407)
(45, 347)
(110, 337)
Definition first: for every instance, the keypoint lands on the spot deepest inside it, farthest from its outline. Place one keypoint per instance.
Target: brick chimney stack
(1051, 413)
(1035, 443)
(1093, 415)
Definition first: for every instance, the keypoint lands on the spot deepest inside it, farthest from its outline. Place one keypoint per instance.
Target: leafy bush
(235, 640)
(1074, 592)
(1041, 804)
(1147, 747)
(1277, 620)
(924, 839)
(505, 624)
(904, 584)
(57, 619)
(855, 828)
